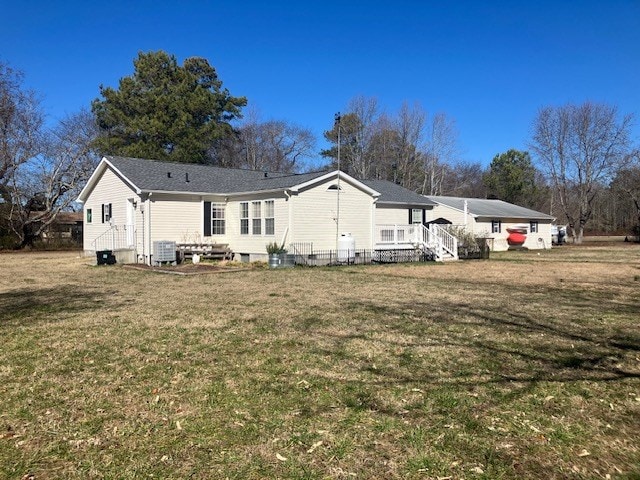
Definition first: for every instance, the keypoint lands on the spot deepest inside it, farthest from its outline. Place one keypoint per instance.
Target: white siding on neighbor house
(314, 213)
(535, 241)
(109, 188)
(482, 227)
(255, 245)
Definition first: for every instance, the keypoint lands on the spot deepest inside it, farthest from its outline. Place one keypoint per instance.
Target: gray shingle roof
(153, 175)
(393, 193)
(481, 207)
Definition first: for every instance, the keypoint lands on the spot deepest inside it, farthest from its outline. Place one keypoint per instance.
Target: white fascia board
(102, 166)
(343, 176)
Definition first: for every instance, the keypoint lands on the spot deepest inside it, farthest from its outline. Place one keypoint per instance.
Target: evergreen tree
(512, 177)
(165, 111)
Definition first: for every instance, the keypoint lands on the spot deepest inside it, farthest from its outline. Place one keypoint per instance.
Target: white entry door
(131, 223)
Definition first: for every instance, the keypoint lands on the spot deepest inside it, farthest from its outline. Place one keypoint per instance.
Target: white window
(533, 227)
(416, 215)
(244, 218)
(106, 213)
(269, 218)
(217, 219)
(256, 217)
(496, 226)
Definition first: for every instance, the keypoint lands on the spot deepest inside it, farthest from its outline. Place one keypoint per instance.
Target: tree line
(581, 165)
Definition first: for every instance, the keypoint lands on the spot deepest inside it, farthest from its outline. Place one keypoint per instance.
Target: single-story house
(492, 219)
(67, 226)
(130, 203)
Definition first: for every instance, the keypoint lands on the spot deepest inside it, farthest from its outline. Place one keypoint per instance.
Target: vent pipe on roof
(186, 177)
(168, 174)
(266, 174)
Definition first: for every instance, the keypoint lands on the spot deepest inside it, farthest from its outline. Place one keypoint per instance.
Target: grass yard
(524, 366)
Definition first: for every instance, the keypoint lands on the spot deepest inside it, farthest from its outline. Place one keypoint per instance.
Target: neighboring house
(491, 219)
(130, 203)
(65, 228)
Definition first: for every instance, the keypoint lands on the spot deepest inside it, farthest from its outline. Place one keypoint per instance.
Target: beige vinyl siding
(315, 210)
(177, 218)
(386, 215)
(109, 188)
(255, 245)
(456, 217)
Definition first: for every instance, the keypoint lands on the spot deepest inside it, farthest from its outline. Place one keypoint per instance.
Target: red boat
(517, 235)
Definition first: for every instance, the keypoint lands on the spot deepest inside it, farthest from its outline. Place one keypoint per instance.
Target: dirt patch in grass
(524, 366)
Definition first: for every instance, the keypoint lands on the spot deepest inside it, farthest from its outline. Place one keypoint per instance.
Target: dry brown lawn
(523, 366)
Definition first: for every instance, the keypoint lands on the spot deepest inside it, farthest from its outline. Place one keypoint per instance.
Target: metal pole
(337, 123)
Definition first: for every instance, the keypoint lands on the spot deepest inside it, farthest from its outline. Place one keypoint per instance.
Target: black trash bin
(105, 257)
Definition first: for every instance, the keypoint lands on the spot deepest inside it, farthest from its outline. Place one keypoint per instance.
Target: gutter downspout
(149, 245)
(373, 223)
(289, 201)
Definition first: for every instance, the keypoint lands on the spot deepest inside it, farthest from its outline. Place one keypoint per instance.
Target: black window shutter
(410, 217)
(207, 219)
(102, 208)
(110, 214)
(424, 216)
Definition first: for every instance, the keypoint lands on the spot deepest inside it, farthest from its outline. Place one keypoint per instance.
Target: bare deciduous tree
(48, 183)
(580, 147)
(21, 122)
(441, 150)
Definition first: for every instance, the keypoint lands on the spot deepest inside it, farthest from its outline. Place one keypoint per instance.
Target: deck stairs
(432, 240)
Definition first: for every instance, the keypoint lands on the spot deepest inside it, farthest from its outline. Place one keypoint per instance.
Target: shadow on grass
(47, 305)
(507, 341)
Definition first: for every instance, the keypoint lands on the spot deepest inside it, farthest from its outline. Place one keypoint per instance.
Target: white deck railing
(433, 238)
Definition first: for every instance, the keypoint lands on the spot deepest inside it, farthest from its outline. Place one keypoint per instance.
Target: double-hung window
(256, 218)
(533, 227)
(106, 213)
(89, 215)
(244, 218)
(217, 219)
(416, 215)
(496, 226)
(269, 218)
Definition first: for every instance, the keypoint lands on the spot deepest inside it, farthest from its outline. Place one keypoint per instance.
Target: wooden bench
(210, 251)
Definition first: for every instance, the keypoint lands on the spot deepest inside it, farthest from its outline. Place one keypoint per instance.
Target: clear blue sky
(488, 64)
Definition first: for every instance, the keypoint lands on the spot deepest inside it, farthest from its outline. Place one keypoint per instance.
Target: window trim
(267, 218)
(222, 221)
(89, 216)
(420, 215)
(496, 226)
(534, 227)
(256, 220)
(244, 227)
(107, 213)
